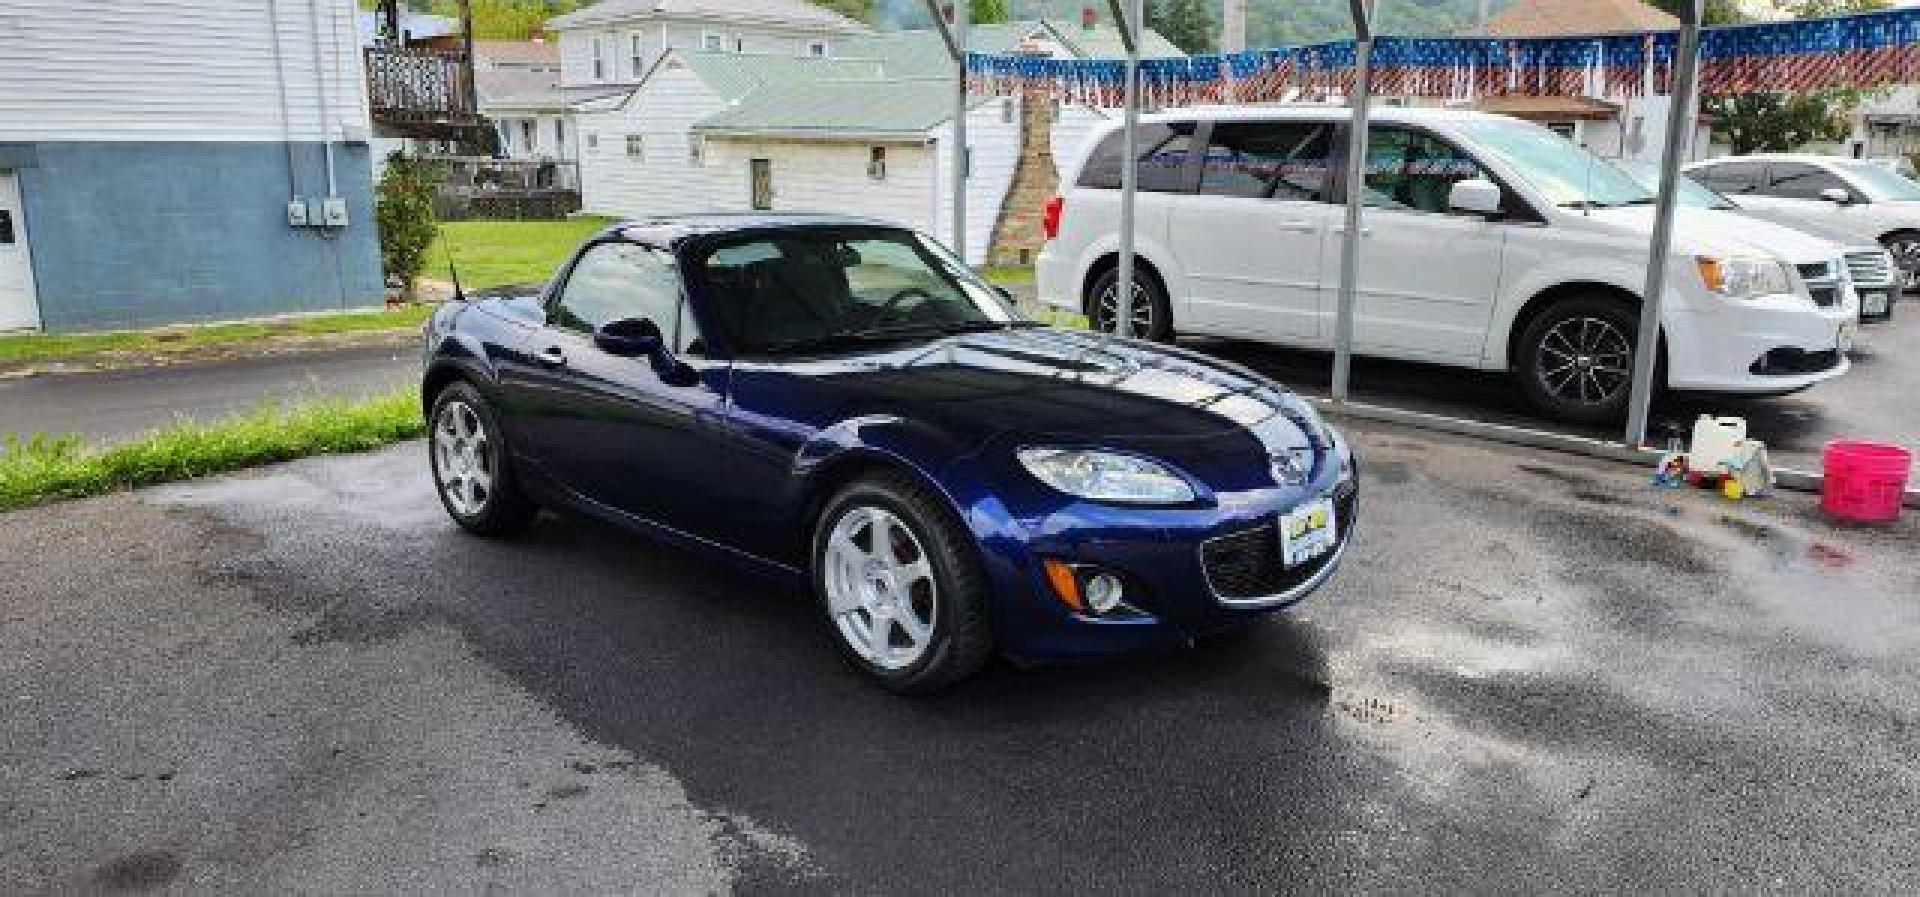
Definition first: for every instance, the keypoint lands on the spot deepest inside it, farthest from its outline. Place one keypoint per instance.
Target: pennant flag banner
(1868, 50)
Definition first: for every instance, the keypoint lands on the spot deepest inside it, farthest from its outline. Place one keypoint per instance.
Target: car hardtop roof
(664, 231)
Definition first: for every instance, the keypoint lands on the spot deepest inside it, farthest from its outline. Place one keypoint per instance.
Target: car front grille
(1788, 362)
(1824, 297)
(1870, 268)
(1246, 566)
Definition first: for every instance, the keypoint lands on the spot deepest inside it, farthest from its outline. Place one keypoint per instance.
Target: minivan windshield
(1566, 173)
(1879, 183)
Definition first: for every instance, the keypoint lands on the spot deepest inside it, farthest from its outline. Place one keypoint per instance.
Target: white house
(155, 168)
(616, 42)
(861, 131)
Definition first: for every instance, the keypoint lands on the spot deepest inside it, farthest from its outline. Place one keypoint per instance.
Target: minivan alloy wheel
(1906, 257)
(1109, 311)
(1586, 360)
(880, 585)
(463, 461)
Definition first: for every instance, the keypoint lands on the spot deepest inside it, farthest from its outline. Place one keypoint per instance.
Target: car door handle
(1299, 227)
(552, 357)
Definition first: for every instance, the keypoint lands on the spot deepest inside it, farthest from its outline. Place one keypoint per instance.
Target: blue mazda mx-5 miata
(842, 401)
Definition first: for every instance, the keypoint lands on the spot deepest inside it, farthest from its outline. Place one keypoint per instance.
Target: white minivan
(1489, 243)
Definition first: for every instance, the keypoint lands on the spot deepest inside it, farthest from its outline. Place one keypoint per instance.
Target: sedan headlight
(1106, 476)
(1746, 278)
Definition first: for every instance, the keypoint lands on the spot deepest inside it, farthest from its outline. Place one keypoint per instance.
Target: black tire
(961, 641)
(1570, 362)
(1156, 311)
(504, 507)
(1904, 245)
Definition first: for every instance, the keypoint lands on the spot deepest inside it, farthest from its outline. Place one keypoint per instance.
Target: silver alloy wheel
(1585, 360)
(880, 587)
(1109, 311)
(1906, 257)
(461, 461)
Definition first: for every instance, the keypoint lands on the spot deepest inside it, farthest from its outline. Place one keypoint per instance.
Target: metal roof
(896, 108)
(792, 13)
(735, 75)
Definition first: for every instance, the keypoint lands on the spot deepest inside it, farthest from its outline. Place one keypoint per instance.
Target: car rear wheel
(471, 472)
(1576, 360)
(900, 585)
(1904, 246)
(1152, 316)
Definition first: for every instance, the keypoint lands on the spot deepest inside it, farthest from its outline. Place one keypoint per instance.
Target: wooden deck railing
(412, 84)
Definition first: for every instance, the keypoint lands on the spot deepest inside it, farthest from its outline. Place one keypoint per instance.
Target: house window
(817, 48)
(637, 147)
(559, 135)
(877, 163)
(599, 60)
(760, 183)
(1006, 111)
(739, 44)
(696, 149)
(593, 140)
(637, 57)
(710, 41)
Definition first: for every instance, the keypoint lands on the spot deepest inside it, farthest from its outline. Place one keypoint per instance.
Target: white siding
(176, 70)
(822, 176)
(659, 35)
(664, 181)
(996, 150)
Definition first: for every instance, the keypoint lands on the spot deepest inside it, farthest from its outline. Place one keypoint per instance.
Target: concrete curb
(1785, 478)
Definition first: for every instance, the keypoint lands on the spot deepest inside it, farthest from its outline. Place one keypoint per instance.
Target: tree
(403, 212)
(1189, 24)
(989, 12)
(1784, 122)
(857, 10)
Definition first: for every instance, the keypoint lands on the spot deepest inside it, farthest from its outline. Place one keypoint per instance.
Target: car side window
(1733, 178)
(1268, 160)
(1165, 150)
(1415, 172)
(1796, 180)
(624, 280)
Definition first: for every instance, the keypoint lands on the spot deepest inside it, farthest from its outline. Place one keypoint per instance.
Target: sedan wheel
(898, 578)
(1905, 249)
(462, 459)
(880, 588)
(471, 467)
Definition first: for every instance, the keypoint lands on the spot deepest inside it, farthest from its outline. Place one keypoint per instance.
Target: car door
(1250, 238)
(614, 429)
(1428, 276)
(1797, 188)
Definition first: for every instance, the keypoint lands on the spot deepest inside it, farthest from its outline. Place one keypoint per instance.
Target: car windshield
(1693, 194)
(1880, 183)
(1567, 174)
(810, 288)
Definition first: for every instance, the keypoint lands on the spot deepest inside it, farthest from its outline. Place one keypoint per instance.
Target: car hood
(1726, 233)
(1811, 227)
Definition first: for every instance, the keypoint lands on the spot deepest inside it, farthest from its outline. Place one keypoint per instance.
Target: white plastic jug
(1717, 442)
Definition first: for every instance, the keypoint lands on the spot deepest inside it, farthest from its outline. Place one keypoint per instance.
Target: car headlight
(1106, 476)
(1746, 278)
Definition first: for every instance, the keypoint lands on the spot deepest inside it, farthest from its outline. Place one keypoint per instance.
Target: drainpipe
(326, 101)
(286, 113)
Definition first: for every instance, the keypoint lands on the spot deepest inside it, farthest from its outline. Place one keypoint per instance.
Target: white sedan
(1863, 198)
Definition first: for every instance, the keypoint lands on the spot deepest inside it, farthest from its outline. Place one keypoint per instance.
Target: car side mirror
(1476, 196)
(1837, 196)
(629, 338)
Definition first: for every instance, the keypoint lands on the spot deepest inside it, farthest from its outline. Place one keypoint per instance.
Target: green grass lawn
(40, 468)
(38, 347)
(498, 253)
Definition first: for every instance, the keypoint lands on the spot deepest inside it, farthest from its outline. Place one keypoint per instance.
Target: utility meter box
(333, 212)
(297, 212)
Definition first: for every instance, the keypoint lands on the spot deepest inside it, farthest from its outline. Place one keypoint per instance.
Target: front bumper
(1771, 345)
(1177, 575)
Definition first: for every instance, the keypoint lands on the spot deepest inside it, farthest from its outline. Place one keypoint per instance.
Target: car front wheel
(1576, 360)
(900, 585)
(1904, 246)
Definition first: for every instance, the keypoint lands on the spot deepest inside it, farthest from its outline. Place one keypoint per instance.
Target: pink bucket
(1865, 481)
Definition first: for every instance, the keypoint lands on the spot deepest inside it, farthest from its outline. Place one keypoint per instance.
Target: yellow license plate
(1308, 532)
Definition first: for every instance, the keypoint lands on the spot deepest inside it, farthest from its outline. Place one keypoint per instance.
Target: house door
(18, 308)
(760, 172)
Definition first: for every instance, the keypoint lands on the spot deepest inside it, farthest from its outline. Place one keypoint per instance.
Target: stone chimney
(1017, 236)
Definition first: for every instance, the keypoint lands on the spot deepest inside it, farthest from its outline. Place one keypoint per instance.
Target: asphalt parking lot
(1533, 674)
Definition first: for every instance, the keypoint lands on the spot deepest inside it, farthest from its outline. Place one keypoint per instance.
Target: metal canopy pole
(1128, 21)
(955, 38)
(1682, 115)
(1357, 144)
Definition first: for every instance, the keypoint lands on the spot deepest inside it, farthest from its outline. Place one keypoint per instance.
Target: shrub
(404, 212)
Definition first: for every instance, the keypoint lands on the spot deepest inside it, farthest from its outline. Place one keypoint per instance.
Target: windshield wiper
(887, 334)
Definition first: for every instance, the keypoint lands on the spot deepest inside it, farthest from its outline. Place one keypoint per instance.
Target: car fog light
(1103, 592)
